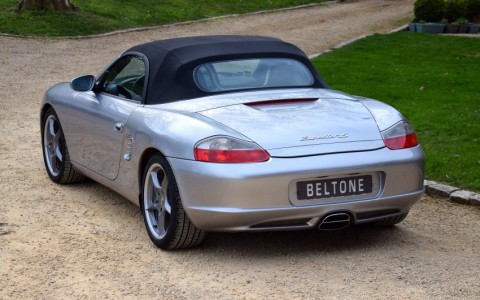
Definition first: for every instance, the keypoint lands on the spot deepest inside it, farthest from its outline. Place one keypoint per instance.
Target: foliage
(433, 81)
(455, 9)
(93, 16)
(429, 10)
(473, 10)
(449, 10)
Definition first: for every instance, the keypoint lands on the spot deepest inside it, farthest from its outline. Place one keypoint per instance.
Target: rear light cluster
(400, 136)
(221, 149)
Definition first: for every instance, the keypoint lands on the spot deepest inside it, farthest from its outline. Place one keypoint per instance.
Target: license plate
(336, 187)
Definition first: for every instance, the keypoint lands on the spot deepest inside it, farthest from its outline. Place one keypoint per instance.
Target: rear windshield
(251, 74)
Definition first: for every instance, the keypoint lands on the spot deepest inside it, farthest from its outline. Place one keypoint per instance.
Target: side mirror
(83, 83)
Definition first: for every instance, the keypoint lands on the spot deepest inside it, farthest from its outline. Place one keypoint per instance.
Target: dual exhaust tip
(335, 221)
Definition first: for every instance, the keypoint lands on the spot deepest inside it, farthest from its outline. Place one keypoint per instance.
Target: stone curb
(455, 194)
(432, 188)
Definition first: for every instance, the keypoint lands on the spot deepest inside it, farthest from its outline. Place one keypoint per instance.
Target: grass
(94, 16)
(434, 81)
(431, 79)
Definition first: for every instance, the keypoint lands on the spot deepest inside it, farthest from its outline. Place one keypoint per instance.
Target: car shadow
(308, 241)
(266, 243)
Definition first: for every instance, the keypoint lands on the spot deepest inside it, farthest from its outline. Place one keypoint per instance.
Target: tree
(52, 5)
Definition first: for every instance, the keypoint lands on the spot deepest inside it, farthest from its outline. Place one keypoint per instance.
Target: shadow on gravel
(358, 238)
(259, 244)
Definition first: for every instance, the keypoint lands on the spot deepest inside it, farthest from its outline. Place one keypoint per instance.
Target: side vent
(127, 147)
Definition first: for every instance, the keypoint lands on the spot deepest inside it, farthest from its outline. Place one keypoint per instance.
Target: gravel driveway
(84, 241)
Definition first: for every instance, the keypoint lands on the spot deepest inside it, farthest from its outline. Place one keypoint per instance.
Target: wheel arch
(147, 153)
(180, 232)
(43, 111)
(64, 172)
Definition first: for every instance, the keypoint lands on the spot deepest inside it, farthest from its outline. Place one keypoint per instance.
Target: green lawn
(434, 81)
(99, 16)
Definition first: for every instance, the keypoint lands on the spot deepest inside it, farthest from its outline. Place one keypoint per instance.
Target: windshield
(252, 74)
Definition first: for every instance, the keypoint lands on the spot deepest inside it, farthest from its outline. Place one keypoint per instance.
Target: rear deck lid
(300, 127)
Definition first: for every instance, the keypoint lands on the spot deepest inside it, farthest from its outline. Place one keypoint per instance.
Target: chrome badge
(324, 137)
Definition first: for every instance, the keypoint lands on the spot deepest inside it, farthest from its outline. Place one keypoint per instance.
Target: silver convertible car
(231, 133)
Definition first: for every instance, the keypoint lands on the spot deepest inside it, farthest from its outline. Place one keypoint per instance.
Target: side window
(125, 79)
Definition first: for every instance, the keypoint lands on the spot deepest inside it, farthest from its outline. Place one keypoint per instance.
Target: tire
(55, 151)
(167, 224)
(388, 222)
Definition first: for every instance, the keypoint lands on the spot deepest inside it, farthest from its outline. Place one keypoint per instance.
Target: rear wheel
(388, 222)
(55, 151)
(167, 224)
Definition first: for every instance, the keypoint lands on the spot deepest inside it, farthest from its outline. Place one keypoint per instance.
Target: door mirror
(83, 83)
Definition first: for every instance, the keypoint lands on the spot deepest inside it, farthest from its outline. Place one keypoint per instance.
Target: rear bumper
(252, 197)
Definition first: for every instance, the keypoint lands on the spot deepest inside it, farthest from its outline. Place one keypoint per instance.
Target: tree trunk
(51, 5)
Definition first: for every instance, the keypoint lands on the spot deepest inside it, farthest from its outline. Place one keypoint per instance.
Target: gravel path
(84, 241)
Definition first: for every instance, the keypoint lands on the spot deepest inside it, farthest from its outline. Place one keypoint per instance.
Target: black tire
(388, 222)
(55, 151)
(167, 224)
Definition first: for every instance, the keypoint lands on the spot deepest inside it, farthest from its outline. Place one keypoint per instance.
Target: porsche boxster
(231, 133)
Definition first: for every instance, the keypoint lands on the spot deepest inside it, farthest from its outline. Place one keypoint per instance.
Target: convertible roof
(171, 62)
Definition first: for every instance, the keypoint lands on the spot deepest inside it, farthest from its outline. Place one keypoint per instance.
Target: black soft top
(171, 62)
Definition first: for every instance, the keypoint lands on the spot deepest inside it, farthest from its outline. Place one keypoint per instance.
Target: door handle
(119, 126)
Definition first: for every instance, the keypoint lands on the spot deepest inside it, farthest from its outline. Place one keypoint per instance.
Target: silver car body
(336, 136)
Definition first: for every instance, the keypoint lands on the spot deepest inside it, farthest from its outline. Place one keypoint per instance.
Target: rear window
(251, 74)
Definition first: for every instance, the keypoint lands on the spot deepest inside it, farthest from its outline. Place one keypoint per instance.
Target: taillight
(221, 149)
(400, 136)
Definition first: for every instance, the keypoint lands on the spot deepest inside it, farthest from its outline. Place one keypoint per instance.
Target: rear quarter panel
(172, 133)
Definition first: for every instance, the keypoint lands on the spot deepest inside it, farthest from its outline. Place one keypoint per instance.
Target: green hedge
(429, 10)
(447, 10)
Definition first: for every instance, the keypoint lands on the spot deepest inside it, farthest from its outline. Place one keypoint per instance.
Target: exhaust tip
(335, 221)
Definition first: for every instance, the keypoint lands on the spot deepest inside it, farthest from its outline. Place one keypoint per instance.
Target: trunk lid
(300, 127)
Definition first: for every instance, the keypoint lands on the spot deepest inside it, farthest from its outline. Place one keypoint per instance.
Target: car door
(97, 118)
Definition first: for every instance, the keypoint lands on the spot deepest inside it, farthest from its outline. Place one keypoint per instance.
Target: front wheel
(55, 151)
(167, 224)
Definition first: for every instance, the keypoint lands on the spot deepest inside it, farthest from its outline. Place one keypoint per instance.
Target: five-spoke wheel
(157, 205)
(167, 223)
(52, 143)
(55, 152)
